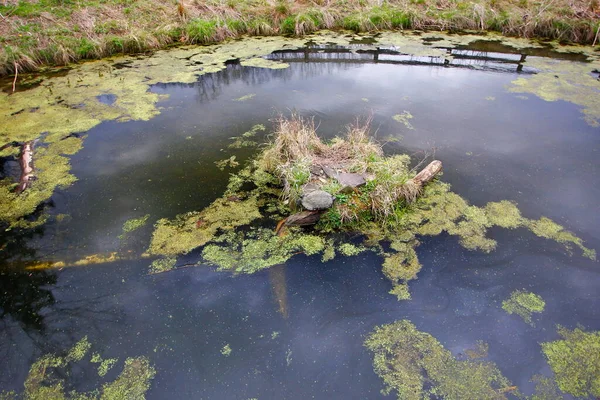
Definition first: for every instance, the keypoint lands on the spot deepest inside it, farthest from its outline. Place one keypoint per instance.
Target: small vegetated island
(301, 195)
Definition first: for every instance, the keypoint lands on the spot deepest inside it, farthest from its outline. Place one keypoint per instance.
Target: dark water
(296, 331)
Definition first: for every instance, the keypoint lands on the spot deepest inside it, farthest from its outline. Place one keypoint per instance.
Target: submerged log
(26, 162)
(428, 173)
(302, 218)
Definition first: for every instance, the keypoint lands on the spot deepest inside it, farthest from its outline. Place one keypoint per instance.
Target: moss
(51, 171)
(228, 162)
(259, 249)
(503, 214)
(549, 229)
(78, 351)
(259, 62)
(566, 81)
(415, 366)
(404, 119)
(349, 250)
(47, 376)
(245, 140)
(575, 360)
(162, 265)
(195, 229)
(545, 389)
(133, 224)
(524, 304)
(132, 383)
(106, 365)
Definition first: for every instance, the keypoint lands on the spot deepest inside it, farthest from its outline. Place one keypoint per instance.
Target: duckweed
(46, 378)
(415, 365)
(133, 224)
(575, 360)
(524, 304)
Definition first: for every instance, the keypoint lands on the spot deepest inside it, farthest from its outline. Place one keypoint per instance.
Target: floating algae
(46, 378)
(416, 366)
(567, 81)
(245, 140)
(226, 350)
(228, 162)
(65, 105)
(377, 210)
(133, 224)
(575, 360)
(404, 119)
(246, 97)
(51, 171)
(524, 304)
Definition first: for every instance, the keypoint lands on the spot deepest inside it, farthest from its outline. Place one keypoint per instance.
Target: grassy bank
(57, 32)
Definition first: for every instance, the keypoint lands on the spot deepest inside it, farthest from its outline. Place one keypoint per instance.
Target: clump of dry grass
(296, 152)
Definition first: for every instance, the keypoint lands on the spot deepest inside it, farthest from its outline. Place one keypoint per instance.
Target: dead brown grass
(34, 34)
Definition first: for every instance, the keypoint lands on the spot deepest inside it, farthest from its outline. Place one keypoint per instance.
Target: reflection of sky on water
(540, 154)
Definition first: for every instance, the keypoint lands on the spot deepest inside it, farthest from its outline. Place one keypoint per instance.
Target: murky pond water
(297, 330)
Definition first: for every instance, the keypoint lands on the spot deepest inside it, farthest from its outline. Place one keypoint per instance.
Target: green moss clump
(549, 229)
(132, 383)
(162, 265)
(195, 229)
(545, 389)
(504, 214)
(52, 170)
(133, 224)
(349, 250)
(106, 365)
(575, 360)
(259, 249)
(416, 366)
(79, 350)
(46, 378)
(404, 119)
(524, 304)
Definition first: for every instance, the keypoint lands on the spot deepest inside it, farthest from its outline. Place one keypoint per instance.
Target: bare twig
(596, 37)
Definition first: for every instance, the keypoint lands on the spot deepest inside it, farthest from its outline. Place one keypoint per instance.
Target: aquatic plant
(47, 377)
(386, 209)
(416, 366)
(575, 360)
(404, 119)
(524, 304)
(226, 350)
(133, 224)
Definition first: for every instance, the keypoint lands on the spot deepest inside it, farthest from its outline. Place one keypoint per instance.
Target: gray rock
(330, 172)
(317, 200)
(351, 180)
(310, 187)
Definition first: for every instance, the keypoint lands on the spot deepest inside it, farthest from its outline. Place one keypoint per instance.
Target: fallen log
(26, 162)
(427, 173)
(303, 218)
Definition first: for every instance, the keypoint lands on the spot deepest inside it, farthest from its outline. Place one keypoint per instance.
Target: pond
(491, 111)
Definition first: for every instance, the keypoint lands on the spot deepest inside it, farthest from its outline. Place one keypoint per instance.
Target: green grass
(62, 31)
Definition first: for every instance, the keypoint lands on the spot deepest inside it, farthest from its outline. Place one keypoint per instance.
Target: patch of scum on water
(63, 105)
